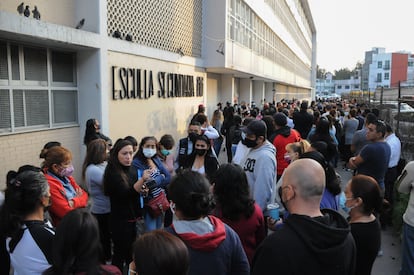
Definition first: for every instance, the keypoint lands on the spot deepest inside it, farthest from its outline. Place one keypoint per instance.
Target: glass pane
(15, 62)
(5, 117)
(37, 107)
(62, 67)
(18, 109)
(35, 64)
(65, 106)
(4, 72)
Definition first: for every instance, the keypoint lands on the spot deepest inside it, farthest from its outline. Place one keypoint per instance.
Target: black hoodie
(305, 245)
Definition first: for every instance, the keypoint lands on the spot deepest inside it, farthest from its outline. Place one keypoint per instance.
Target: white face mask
(148, 152)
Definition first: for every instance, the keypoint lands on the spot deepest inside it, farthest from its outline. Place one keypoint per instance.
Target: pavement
(390, 261)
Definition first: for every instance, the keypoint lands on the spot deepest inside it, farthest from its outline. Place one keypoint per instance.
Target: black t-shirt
(367, 238)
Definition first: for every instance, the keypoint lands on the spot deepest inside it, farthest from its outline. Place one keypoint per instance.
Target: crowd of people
(161, 207)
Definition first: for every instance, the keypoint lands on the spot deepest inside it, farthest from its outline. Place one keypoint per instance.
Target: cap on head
(256, 127)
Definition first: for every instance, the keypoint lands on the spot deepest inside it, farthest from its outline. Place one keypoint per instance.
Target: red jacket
(59, 203)
(285, 136)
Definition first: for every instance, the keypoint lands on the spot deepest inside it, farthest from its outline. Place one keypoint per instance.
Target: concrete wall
(20, 149)
(153, 116)
(61, 12)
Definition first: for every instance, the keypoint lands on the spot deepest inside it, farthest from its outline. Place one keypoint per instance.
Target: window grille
(29, 100)
(165, 25)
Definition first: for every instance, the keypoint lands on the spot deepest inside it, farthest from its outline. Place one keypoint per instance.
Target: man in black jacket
(311, 241)
(303, 120)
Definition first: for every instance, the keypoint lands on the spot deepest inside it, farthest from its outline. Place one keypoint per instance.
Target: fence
(396, 107)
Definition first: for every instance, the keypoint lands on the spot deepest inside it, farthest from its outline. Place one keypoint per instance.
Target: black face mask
(200, 152)
(192, 136)
(249, 143)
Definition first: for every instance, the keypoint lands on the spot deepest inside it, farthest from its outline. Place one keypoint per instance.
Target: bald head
(308, 177)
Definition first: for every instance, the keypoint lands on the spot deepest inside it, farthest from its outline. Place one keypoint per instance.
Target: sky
(346, 29)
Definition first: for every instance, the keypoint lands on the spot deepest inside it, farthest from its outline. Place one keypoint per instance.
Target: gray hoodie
(260, 168)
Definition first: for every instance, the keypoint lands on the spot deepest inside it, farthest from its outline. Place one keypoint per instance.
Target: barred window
(65, 107)
(4, 69)
(62, 67)
(29, 100)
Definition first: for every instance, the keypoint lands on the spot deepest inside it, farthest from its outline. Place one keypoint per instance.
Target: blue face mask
(165, 152)
(149, 152)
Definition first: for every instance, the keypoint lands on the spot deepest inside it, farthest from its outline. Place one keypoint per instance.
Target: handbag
(156, 206)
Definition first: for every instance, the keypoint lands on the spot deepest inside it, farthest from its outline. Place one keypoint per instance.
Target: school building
(141, 67)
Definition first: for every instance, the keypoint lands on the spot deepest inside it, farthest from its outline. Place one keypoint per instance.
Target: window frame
(49, 85)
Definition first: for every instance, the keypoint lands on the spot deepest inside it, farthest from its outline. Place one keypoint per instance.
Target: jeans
(217, 145)
(153, 223)
(407, 258)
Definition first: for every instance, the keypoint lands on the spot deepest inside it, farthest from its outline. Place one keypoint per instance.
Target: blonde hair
(217, 115)
(299, 147)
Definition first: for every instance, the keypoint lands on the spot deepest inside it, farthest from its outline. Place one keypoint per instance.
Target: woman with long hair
(28, 235)
(217, 122)
(123, 187)
(66, 193)
(364, 199)
(322, 133)
(147, 161)
(93, 170)
(76, 247)
(92, 131)
(202, 159)
(237, 208)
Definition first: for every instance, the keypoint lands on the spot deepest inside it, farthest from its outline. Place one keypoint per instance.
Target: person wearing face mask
(146, 160)
(259, 163)
(165, 152)
(202, 159)
(185, 146)
(311, 241)
(66, 194)
(363, 199)
(24, 232)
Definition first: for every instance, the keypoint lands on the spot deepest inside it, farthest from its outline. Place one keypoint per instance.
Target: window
(387, 65)
(347, 87)
(410, 63)
(386, 76)
(339, 86)
(379, 64)
(379, 77)
(29, 98)
(356, 86)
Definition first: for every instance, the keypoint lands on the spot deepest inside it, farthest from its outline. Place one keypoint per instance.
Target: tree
(343, 73)
(320, 73)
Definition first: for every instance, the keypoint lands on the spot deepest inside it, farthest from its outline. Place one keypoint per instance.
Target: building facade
(141, 67)
(387, 69)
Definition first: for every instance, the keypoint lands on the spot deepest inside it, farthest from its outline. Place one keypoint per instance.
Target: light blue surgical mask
(149, 152)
